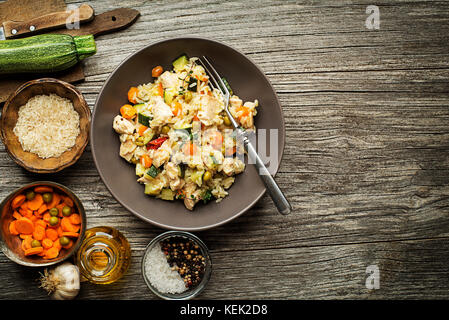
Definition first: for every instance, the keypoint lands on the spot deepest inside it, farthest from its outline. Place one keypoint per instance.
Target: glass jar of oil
(104, 255)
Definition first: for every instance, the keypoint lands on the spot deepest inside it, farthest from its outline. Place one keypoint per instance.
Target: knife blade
(12, 29)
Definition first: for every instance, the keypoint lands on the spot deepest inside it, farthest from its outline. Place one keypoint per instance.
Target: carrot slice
(24, 206)
(32, 251)
(43, 253)
(69, 245)
(39, 233)
(128, 111)
(43, 189)
(60, 231)
(68, 201)
(160, 89)
(70, 234)
(26, 243)
(142, 129)
(36, 202)
(54, 201)
(26, 213)
(24, 225)
(51, 234)
(12, 228)
(16, 215)
(67, 226)
(41, 223)
(52, 253)
(57, 244)
(47, 243)
(18, 201)
(76, 228)
(46, 217)
(59, 207)
(75, 218)
(42, 209)
(24, 236)
(132, 93)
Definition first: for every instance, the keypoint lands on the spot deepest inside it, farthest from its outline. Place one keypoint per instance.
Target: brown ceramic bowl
(246, 80)
(30, 161)
(11, 244)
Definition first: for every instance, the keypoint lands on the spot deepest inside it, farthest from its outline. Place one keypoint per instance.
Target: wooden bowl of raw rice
(45, 125)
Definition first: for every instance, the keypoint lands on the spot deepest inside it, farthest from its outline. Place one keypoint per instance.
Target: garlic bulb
(63, 281)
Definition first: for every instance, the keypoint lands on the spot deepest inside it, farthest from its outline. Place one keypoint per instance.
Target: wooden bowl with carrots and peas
(41, 224)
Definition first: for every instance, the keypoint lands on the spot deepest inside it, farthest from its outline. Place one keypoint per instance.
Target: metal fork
(279, 199)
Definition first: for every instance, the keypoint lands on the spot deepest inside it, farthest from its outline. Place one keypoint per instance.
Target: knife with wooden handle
(12, 29)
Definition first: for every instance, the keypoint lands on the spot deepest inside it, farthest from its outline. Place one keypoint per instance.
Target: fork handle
(279, 199)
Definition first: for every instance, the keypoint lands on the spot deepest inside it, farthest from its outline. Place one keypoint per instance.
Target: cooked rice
(48, 125)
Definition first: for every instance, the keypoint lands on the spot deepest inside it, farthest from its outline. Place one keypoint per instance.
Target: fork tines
(213, 75)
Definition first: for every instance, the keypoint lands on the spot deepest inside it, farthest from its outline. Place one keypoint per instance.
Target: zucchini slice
(144, 118)
(192, 85)
(227, 86)
(153, 171)
(167, 194)
(180, 62)
(169, 95)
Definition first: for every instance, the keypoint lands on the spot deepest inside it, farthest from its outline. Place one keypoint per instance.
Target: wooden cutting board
(105, 22)
(20, 10)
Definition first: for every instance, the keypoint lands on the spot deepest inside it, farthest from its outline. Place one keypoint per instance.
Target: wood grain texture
(366, 159)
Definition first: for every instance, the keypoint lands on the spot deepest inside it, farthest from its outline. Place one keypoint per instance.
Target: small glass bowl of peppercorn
(176, 265)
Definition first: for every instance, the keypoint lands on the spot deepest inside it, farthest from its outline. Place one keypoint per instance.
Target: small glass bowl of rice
(176, 265)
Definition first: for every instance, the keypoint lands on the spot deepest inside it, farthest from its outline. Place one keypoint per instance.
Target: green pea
(54, 212)
(66, 211)
(64, 241)
(140, 141)
(47, 197)
(53, 221)
(35, 244)
(165, 129)
(134, 160)
(227, 121)
(207, 176)
(188, 96)
(30, 195)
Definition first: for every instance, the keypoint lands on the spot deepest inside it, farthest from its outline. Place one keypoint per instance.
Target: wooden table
(366, 162)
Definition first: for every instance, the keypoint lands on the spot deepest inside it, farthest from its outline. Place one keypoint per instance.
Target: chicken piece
(248, 121)
(127, 150)
(176, 182)
(161, 155)
(209, 110)
(192, 198)
(232, 166)
(122, 125)
(169, 80)
(161, 112)
(189, 203)
(172, 170)
(235, 101)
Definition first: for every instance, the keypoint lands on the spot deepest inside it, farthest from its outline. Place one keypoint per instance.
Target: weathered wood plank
(366, 160)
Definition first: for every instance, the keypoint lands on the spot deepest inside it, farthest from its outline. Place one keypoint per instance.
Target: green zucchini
(44, 53)
(167, 194)
(169, 95)
(139, 107)
(152, 190)
(197, 177)
(180, 62)
(227, 86)
(144, 118)
(192, 85)
(153, 171)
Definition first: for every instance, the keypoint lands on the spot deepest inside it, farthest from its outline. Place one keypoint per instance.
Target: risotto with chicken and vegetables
(178, 136)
